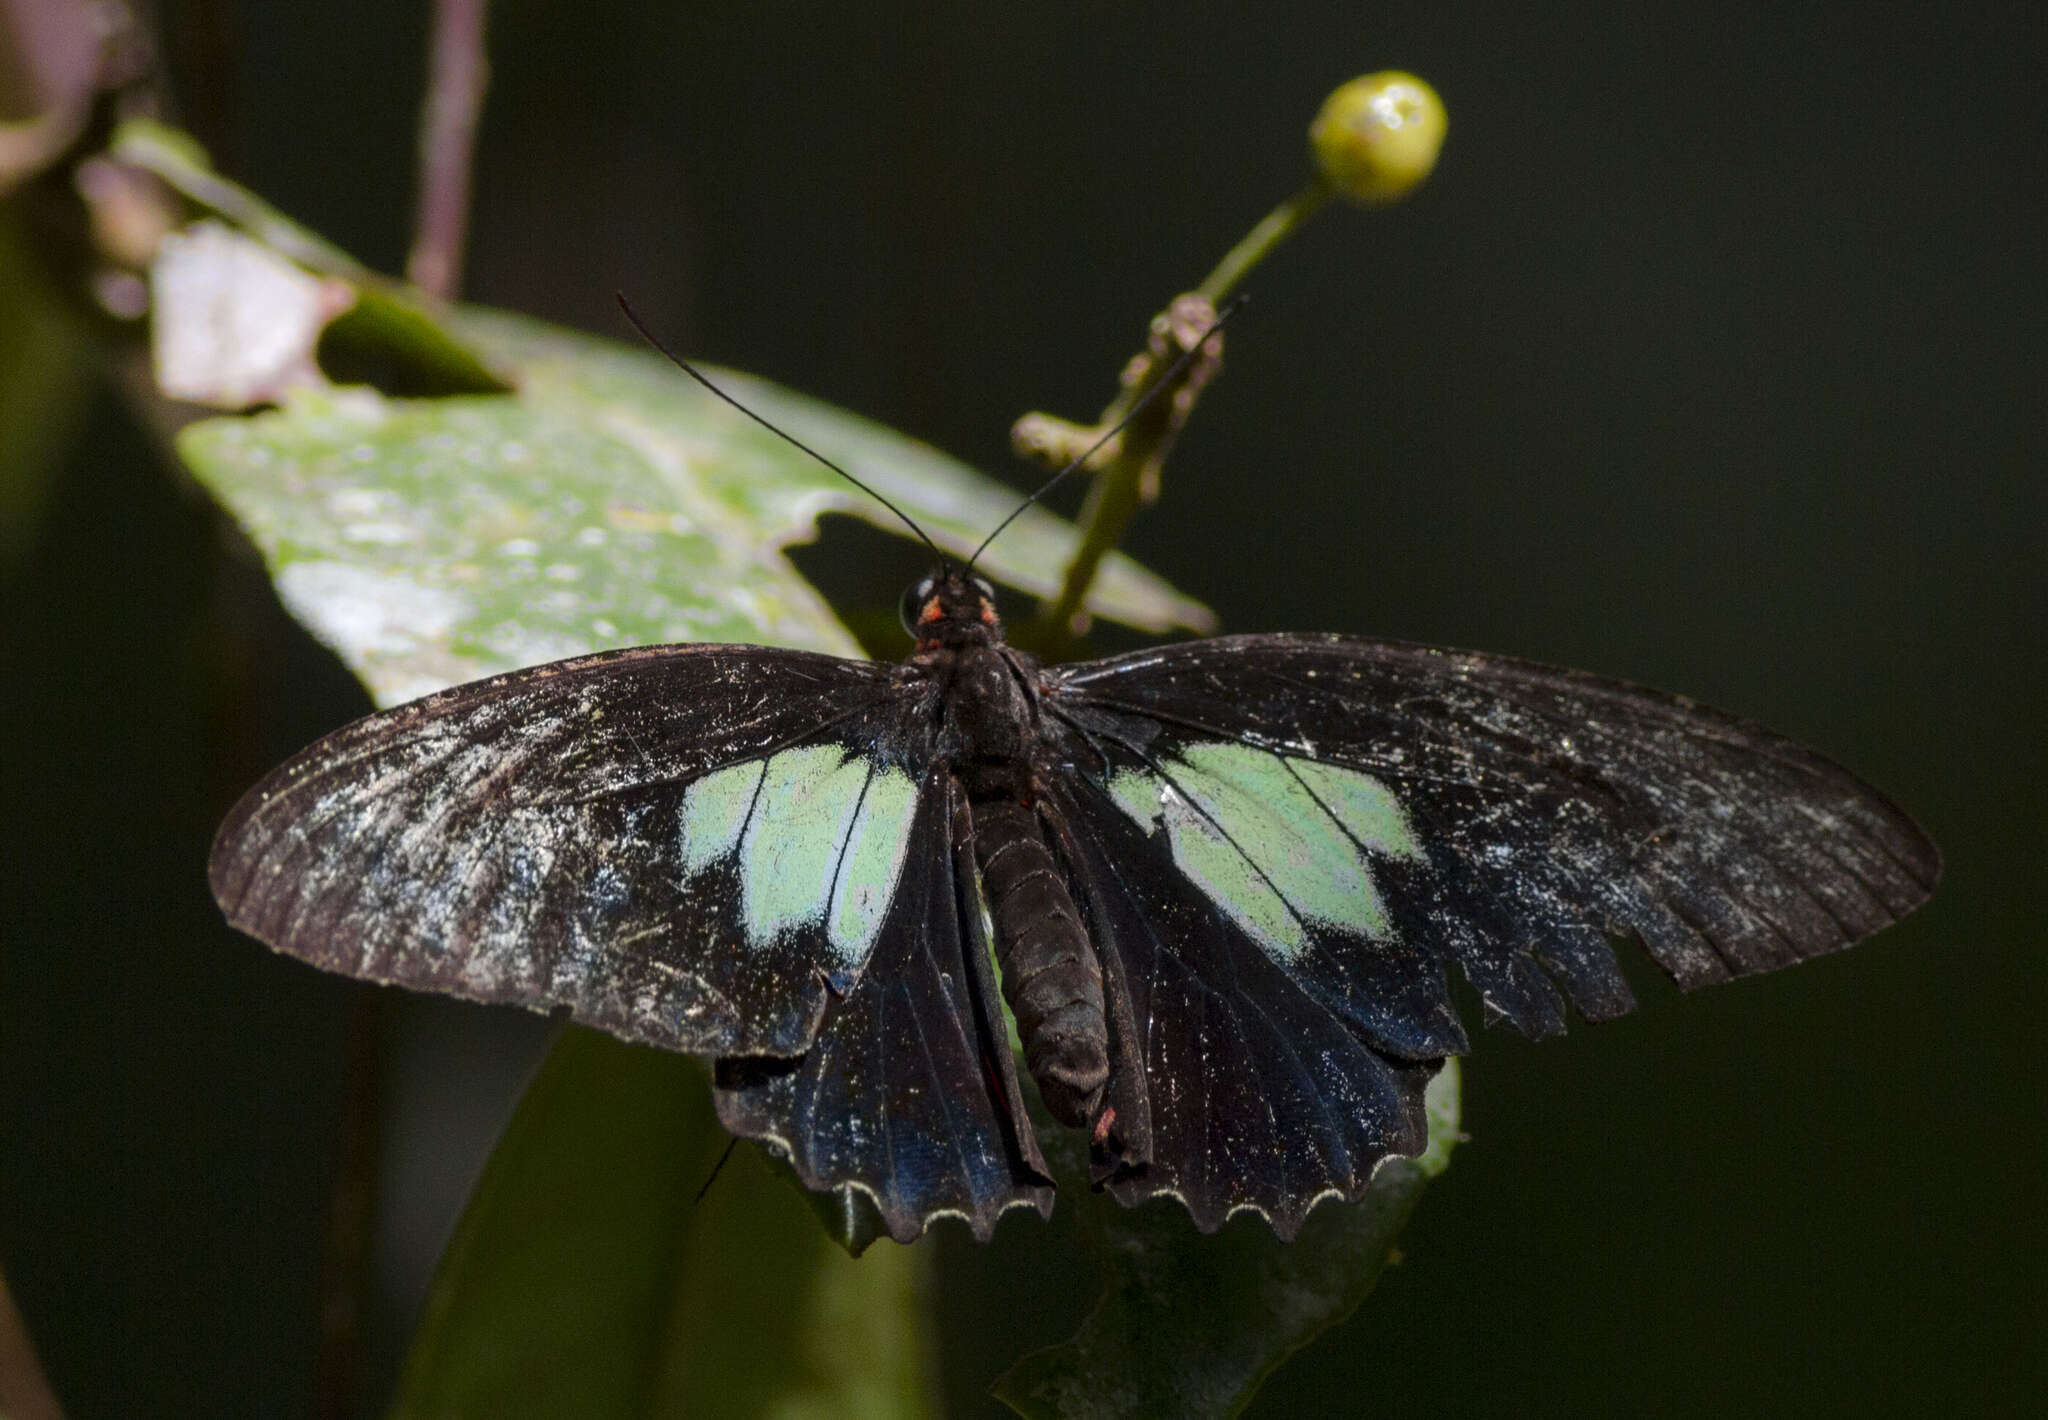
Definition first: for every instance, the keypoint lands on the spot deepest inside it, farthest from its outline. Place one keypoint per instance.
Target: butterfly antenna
(1159, 385)
(777, 430)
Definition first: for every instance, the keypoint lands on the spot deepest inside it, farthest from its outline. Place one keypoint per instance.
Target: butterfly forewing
(1506, 816)
(689, 846)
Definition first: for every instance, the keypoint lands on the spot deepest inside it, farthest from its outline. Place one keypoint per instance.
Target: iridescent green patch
(1230, 878)
(820, 836)
(872, 862)
(1137, 794)
(1363, 805)
(714, 811)
(1276, 842)
(803, 814)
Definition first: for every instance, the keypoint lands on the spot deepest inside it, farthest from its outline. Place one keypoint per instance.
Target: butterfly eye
(914, 598)
(988, 591)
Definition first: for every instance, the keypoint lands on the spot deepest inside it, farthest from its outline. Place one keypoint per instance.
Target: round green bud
(1378, 136)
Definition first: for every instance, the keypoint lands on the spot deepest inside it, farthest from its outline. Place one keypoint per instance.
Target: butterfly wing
(1237, 1083)
(729, 850)
(1280, 844)
(1372, 811)
(907, 1105)
(688, 845)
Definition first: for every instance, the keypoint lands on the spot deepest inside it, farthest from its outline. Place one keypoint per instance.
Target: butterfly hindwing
(1507, 817)
(1262, 1094)
(908, 1098)
(693, 846)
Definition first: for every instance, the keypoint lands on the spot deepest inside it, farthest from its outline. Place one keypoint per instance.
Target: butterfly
(1221, 886)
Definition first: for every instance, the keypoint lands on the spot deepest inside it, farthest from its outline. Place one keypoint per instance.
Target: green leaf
(956, 504)
(1188, 1326)
(386, 326)
(584, 1279)
(557, 494)
(608, 503)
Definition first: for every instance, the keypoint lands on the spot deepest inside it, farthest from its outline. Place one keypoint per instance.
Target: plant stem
(1128, 476)
(1274, 228)
(458, 73)
(1112, 501)
(351, 1208)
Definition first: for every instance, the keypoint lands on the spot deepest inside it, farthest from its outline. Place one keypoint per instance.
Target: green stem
(1120, 483)
(1111, 502)
(1276, 227)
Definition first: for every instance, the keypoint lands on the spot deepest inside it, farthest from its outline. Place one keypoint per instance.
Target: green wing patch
(819, 835)
(1277, 843)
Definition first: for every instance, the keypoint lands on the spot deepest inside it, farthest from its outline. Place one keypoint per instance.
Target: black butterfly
(1225, 882)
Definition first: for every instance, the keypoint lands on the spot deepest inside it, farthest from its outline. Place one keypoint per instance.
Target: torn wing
(1371, 812)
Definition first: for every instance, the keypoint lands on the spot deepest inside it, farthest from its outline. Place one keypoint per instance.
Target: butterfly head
(950, 607)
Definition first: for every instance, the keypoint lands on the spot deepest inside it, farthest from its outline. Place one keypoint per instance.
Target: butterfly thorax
(988, 738)
(983, 687)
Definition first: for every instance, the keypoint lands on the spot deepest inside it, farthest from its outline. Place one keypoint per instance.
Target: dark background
(1708, 359)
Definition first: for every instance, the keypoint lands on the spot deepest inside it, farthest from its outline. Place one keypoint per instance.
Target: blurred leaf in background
(607, 503)
(589, 1278)
(44, 379)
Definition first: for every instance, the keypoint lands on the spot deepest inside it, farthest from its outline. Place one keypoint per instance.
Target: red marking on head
(930, 613)
(988, 614)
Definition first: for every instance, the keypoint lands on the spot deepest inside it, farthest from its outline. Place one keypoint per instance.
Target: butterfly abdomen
(1051, 977)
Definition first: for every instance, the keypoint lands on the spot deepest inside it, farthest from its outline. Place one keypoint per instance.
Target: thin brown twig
(457, 75)
(351, 1209)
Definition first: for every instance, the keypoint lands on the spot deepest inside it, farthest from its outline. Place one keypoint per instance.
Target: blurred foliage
(44, 378)
(1189, 1327)
(588, 1278)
